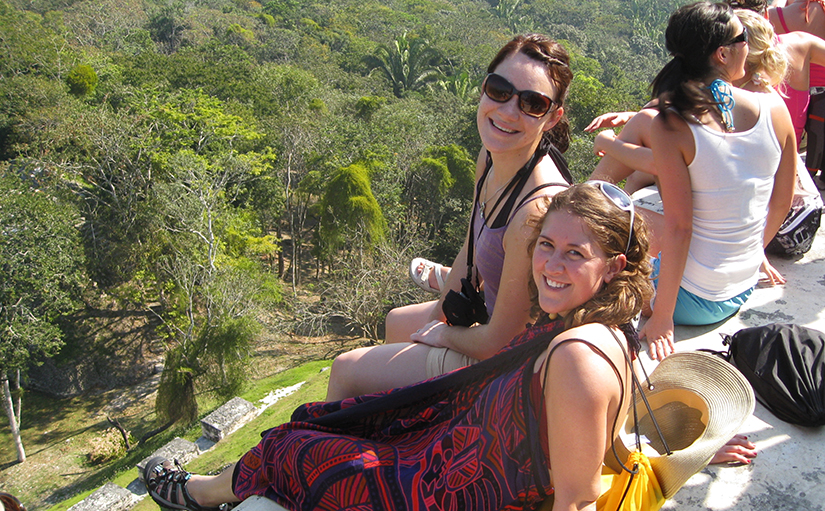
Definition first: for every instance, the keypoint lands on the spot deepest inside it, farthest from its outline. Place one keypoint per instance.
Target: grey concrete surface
(789, 470)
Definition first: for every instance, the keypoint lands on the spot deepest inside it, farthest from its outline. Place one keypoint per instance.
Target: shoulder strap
(531, 196)
(782, 18)
(507, 210)
(513, 190)
(473, 211)
(637, 386)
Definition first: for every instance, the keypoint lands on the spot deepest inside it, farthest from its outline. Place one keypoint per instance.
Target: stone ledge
(110, 497)
(180, 449)
(228, 418)
(259, 504)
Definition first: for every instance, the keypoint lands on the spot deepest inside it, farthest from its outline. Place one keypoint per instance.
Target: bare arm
(672, 146)
(583, 385)
(785, 179)
(816, 49)
(609, 120)
(512, 312)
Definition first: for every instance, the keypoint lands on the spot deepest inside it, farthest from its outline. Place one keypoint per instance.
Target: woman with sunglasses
(522, 127)
(726, 164)
(484, 437)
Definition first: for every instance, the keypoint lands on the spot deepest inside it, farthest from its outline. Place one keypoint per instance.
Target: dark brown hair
(693, 33)
(557, 63)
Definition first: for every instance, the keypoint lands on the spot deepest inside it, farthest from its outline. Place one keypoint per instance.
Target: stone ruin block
(178, 449)
(232, 415)
(110, 497)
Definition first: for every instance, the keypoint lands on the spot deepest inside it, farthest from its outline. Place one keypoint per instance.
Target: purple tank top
(489, 251)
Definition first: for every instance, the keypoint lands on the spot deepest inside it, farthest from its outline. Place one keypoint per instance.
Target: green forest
(230, 166)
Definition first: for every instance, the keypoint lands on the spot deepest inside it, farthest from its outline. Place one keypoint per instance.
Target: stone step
(110, 497)
(259, 504)
(228, 418)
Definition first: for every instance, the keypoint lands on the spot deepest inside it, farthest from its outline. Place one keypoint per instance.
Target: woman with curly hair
(486, 436)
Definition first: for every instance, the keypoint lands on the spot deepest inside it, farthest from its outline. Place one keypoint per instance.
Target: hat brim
(699, 401)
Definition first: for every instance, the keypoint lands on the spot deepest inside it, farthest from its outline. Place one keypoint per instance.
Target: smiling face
(569, 267)
(503, 127)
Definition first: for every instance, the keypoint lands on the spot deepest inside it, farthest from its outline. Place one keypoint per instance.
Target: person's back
(801, 15)
(694, 89)
(731, 179)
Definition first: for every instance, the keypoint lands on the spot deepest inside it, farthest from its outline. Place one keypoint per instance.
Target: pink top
(817, 76)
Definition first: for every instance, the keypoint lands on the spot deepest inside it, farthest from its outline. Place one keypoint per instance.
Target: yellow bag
(627, 491)
(635, 487)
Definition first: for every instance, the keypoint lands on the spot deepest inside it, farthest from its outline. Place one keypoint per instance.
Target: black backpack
(785, 364)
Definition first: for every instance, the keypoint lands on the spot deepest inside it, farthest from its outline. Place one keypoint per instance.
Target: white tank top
(732, 179)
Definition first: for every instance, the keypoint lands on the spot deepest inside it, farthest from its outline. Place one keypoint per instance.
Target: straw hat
(700, 401)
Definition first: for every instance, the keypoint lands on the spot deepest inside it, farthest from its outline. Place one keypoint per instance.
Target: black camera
(465, 308)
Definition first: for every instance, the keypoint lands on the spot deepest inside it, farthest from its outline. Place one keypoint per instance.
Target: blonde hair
(766, 63)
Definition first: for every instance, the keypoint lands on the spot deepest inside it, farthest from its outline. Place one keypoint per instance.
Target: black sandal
(167, 485)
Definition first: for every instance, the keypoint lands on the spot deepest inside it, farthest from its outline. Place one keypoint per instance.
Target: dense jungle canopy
(205, 159)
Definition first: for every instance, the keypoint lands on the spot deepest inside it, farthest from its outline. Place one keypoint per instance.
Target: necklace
(483, 204)
(720, 90)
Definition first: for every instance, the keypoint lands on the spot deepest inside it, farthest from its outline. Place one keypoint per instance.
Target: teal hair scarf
(721, 92)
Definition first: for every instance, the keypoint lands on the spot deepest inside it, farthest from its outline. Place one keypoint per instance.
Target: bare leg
(212, 491)
(636, 131)
(402, 322)
(655, 226)
(367, 370)
(638, 180)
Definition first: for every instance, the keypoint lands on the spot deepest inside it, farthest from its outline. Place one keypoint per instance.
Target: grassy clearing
(57, 432)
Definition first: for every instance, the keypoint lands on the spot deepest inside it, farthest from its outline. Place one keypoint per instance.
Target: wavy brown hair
(621, 299)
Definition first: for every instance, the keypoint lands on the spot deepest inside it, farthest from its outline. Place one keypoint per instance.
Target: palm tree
(409, 64)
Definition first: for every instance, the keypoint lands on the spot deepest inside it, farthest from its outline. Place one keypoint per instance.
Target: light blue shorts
(693, 310)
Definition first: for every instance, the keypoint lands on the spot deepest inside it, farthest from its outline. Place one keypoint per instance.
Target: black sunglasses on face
(532, 103)
(741, 38)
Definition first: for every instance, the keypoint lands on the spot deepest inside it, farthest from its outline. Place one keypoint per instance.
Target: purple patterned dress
(470, 439)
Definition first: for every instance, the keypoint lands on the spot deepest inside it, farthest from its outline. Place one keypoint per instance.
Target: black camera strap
(511, 192)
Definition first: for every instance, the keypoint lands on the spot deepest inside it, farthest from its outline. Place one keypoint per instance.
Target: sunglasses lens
(617, 195)
(534, 104)
(622, 200)
(498, 89)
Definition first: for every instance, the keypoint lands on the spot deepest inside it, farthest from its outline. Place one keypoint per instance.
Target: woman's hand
(772, 275)
(737, 450)
(659, 335)
(609, 120)
(431, 334)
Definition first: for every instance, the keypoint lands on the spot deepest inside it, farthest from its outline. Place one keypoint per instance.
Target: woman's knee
(342, 380)
(401, 322)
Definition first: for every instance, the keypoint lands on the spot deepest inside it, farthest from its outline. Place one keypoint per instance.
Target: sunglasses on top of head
(532, 103)
(621, 199)
(741, 38)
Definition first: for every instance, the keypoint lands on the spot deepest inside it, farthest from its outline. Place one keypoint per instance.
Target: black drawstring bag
(785, 364)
